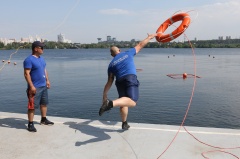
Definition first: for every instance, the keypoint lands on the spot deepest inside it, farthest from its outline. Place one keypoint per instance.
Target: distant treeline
(230, 43)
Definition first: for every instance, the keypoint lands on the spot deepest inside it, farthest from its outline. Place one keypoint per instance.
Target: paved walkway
(87, 139)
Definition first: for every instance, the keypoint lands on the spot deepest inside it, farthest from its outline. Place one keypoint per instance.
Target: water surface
(78, 77)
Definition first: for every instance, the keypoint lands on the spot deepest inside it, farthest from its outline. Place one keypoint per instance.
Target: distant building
(62, 39)
(24, 40)
(99, 40)
(220, 38)
(109, 38)
(133, 40)
(228, 37)
(7, 41)
(31, 39)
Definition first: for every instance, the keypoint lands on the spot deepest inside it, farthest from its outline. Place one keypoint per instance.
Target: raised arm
(140, 45)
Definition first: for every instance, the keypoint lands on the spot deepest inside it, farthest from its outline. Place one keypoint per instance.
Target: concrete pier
(71, 138)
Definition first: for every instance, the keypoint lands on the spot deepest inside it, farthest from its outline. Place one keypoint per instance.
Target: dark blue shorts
(127, 86)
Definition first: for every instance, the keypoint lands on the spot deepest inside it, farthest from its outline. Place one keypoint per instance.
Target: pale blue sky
(85, 20)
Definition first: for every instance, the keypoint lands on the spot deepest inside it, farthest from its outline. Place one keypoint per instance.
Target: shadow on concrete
(17, 123)
(112, 123)
(99, 134)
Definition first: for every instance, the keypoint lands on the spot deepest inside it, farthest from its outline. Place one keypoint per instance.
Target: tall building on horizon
(220, 38)
(61, 38)
(228, 37)
(99, 40)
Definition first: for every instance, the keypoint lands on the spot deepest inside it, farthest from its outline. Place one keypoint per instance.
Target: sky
(83, 21)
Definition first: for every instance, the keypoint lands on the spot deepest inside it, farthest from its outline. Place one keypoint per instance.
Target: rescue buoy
(184, 75)
(184, 17)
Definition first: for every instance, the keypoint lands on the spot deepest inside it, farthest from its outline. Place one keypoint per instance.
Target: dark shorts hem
(127, 86)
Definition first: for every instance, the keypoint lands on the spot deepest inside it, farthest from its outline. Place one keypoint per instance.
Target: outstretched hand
(151, 36)
(144, 42)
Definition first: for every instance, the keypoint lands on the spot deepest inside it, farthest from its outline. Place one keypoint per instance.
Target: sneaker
(31, 128)
(46, 122)
(125, 125)
(105, 107)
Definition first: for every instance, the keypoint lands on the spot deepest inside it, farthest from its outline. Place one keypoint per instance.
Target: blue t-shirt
(37, 73)
(123, 64)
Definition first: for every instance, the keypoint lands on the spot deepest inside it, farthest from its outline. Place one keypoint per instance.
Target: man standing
(36, 76)
(122, 66)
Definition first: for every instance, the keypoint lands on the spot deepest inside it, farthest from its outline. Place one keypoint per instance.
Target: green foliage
(231, 43)
(1, 45)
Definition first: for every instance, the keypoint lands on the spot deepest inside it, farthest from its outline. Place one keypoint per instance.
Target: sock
(124, 122)
(43, 118)
(30, 123)
(110, 103)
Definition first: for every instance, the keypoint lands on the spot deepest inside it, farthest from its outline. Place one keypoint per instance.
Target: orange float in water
(184, 75)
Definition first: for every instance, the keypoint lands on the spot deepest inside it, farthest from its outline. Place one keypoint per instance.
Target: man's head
(37, 45)
(114, 51)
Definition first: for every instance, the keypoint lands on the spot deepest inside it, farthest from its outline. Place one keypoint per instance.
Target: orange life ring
(184, 17)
